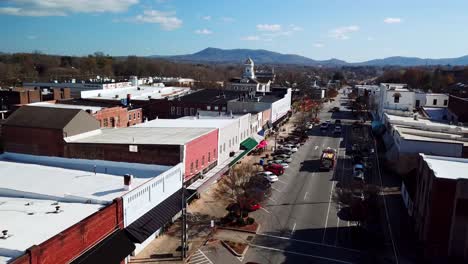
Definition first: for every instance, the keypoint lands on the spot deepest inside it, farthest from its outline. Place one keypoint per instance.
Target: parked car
(276, 161)
(338, 122)
(285, 165)
(271, 177)
(282, 156)
(248, 205)
(358, 168)
(324, 126)
(292, 149)
(335, 109)
(283, 151)
(274, 168)
(337, 130)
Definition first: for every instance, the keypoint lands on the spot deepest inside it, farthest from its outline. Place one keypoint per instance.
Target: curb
(239, 230)
(232, 250)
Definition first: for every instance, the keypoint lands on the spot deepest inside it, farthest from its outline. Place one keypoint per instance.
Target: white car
(269, 176)
(282, 156)
(276, 161)
(285, 165)
(292, 149)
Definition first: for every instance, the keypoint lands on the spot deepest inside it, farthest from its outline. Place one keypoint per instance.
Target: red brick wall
(120, 115)
(196, 149)
(36, 141)
(75, 240)
(149, 154)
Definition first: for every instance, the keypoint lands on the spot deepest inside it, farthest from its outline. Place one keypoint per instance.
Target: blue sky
(353, 30)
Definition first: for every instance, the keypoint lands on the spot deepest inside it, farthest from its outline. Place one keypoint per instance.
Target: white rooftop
(67, 185)
(142, 92)
(424, 123)
(30, 222)
(146, 135)
(447, 167)
(93, 109)
(190, 122)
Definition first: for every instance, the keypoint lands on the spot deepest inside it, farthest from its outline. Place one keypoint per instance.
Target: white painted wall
(228, 141)
(440, 98)
(427, 147)
(145, 197)
(281, 107)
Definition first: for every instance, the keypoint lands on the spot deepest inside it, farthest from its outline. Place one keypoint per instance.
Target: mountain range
(215, 55)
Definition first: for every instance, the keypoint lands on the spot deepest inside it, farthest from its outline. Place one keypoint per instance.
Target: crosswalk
(199, 258)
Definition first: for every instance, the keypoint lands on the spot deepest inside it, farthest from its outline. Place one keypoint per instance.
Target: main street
(300, 223)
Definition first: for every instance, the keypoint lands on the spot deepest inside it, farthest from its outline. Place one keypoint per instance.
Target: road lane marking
(294, 228)
(282, 182)
(316, 147)
(308, 242)
(271, 199)
(302, 254)
(305, 195)
(265, 210)
(328, 212)
(275, 189)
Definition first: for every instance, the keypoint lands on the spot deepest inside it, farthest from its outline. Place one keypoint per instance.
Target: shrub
(250, 221)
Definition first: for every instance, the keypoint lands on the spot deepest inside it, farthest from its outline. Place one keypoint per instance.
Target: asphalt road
(299, 222)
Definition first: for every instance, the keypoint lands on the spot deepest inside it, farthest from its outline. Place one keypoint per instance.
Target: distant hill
(214, 55)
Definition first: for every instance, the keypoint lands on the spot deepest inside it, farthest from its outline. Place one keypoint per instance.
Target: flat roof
(189, 122)
(447, 167)
(93, 109)
(409, 121)
(30, 222)
(145, 135)
(61, 184)
(410, 133)
(211, 96)
(142, 92)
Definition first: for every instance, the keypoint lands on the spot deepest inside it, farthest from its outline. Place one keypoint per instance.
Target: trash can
(261, 162)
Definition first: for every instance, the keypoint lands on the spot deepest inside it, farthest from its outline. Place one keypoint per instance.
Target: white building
(249, 81)
(142, 92)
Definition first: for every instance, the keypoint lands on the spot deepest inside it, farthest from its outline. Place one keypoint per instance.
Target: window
(224, 147)
(216, 108)
(106, 122)
(138, 114)
(220, 149)
(172, 110)
(191, 167)
(209, 156)
(208, 107)
(192, 111)
(179, 110)
(224, 108)
(203, 160)
(434, 102)
(229, 143)
(446, 102)
(214, 153)
(134, 116)
(129, 117)
(186, 111)
(196, 164)
(396, 99)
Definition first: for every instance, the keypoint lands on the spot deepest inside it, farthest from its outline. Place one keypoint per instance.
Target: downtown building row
(161, 154)
(426, 144)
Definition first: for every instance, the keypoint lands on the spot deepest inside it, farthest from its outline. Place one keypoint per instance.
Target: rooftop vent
(5, 234)
(57, 209)
(128, 182)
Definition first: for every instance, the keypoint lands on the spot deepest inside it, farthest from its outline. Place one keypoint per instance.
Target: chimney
(198, 115)
(5, 234)
(57, 209)
(128, 182)
(128, 98)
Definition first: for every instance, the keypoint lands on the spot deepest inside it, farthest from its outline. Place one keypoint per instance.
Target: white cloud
(251, 38)
(392, 20)
(203, 31)
(63, 7)
(319, 45)
(167, 20)
(269, 27)
(295, 28)
(206, 17)
(227, 19)
(343, 32)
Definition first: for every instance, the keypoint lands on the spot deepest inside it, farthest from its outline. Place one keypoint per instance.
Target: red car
(274, 168)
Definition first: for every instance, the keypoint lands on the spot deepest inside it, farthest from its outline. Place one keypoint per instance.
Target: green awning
(247, 145)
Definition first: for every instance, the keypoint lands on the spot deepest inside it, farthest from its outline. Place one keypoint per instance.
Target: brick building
(108, 116)
(12, 98)
(457, 109)
(440, 208)
(41, 130)
(195, 147)
(188, 105)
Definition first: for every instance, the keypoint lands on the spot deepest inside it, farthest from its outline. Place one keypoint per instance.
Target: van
(274, 168)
